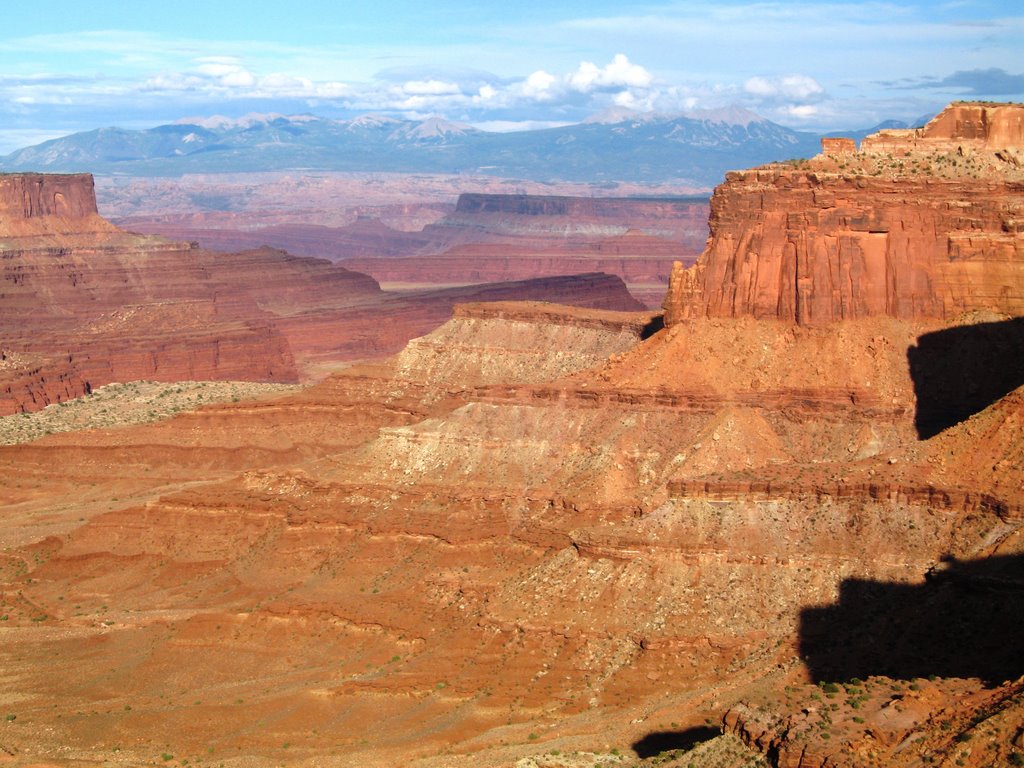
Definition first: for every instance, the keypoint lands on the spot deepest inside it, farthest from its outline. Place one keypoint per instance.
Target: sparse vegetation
(117, 405)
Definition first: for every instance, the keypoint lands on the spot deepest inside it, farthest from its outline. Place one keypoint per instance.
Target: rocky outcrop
(925, 234)
(960, 126)
(519, 342)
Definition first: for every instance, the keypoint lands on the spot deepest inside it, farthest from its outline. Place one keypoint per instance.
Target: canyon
(779, 523)
(84, 303)
(433, 243)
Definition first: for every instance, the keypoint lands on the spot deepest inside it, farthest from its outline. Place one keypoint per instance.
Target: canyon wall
(487, 238)
(924, 234)
(585, 209)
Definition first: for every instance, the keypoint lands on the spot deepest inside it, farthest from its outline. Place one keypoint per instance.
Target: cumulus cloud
(621, 72)
(801, 111)
(539, 85)
(225, 77)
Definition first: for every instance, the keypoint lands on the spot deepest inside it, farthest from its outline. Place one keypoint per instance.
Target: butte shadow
(960, 371)
(965, 620)
(656, 742)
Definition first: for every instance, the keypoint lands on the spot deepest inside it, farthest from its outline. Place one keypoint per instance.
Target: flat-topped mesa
(930, 229)
(564, 205)
(530, 215)
(38, 203)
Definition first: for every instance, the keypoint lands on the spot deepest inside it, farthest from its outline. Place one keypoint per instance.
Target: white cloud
(508, 126)
(630, 100)
(281, 83)
(619, 73)
(801, 111)
(759, 86)
(430, 87)
(538, 85)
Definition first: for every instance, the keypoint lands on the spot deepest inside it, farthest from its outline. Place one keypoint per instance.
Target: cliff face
(928, 233)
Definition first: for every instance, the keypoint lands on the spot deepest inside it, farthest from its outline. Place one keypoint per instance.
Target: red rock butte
(43, 199)
(918, 224)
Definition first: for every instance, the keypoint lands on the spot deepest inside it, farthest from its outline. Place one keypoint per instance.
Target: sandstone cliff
(931, 232)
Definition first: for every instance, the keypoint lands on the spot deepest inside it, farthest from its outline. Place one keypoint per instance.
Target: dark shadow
(665, 741)
(656, 324)
(960, 371)
(966, 620)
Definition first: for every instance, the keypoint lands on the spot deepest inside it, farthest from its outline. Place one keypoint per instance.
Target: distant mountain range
(617, 146)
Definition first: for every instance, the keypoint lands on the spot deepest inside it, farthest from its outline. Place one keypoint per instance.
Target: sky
(73, 66)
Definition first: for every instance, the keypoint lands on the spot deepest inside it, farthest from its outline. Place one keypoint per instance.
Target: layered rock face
(489, 545)
(83, 303)
(975, 126)
(930, 232)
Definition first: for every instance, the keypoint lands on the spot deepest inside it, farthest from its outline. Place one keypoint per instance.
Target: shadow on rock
(657, 742)
(966, 620)
(960, 371)
(656, 324)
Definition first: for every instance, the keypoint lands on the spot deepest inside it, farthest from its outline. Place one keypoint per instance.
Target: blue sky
(70, 66)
